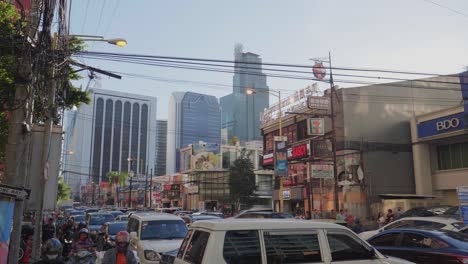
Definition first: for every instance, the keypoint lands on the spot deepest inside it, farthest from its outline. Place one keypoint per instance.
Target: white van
(152, 234)
(271, 241)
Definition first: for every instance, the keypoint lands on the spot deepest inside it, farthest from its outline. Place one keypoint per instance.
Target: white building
(102, 136)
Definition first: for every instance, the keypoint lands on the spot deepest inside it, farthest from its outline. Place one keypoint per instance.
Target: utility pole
(146, 185)
(335, 174)
(151, 188)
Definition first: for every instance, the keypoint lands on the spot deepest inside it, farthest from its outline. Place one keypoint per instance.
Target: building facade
(104, 135)
(161, 147)
(241, 112)
(193, 117)
(374, 148)
(440, 153)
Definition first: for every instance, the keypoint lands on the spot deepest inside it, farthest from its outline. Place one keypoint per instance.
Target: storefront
(440, 153)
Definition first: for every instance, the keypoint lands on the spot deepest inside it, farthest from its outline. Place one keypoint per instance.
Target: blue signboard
(442, 125)
(464, 213)
(281, 159)
(464, 89)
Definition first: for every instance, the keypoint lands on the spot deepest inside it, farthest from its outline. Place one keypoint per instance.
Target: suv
(273, 241)
(152, 234)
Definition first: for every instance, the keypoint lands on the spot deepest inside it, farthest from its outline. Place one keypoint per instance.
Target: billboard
(281, 159)
(205, 156)
(315, 126)
(321, 171)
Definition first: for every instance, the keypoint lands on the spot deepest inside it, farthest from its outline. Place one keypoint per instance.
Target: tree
(242, 179)
(63, 190)
(233, 141)
(116, 177)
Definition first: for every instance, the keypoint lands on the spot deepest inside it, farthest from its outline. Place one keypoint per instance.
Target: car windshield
(100, 219)
(457, 239)
(163, 229)
(114, 228)
(79, 218)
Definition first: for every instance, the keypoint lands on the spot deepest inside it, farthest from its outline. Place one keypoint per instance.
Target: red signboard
(167, 187)
(268, 159)
(299, 152)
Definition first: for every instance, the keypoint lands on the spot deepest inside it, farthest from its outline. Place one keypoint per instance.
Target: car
(452, 212)
(94, 221)
(121, 218)
(265, 215)
(259, 209)
(169, 257)
(432, 222)
(152, 234)
(114, 213)
(236, 240)
(106, 238)
(170, 210)
(218, 214)
(426, 211)
(92, 210)
(423, 246)
(75, 213)
(80, 218)
(204, 217)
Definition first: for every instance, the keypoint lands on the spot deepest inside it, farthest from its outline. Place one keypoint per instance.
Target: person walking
(390, 216)
(381, 219)
(120, 254)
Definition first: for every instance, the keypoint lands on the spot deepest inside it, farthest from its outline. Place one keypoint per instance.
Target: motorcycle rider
(48, 230)
(121, 253)
(83, 242)
(52, 252)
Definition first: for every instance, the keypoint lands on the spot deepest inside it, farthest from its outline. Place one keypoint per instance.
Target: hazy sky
(411, 35)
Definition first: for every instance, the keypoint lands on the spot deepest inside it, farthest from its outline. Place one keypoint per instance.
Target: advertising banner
(281, 159)
(321, 170)
(206, 156)
(462, 192)
(322, 149)
(6, 220)
(315, 126)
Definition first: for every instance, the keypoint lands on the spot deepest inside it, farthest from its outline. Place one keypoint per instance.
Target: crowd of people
(56, 235)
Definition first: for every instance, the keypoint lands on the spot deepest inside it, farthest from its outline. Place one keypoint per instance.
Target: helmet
(52, 249)
(122, 239)
(83, 230)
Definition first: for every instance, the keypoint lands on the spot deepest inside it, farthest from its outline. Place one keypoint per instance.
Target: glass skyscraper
(193, 117)
(240, 113)
(161, 147)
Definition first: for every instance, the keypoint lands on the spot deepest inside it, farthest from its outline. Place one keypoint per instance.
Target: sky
(407, 35)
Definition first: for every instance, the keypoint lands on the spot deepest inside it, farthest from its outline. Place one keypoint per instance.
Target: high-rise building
(193, 117)
(161, 147)
(240, 113)
(104, 135)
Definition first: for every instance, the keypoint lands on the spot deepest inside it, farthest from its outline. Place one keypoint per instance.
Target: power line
(447, 7)
(85, 16)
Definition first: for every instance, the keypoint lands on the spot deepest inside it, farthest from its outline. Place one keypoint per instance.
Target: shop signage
(315, 126)
(175, 187)
(318, 102)
(322, 149)
(441, 125)
(192, 189)
(462, 192)
(281, 161)
(321, 170)
(299, 152)
(286, 194)
(319, 70)
(268, 159)
(293, 103)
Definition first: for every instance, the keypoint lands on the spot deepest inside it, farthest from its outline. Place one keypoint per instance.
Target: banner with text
(281, 159)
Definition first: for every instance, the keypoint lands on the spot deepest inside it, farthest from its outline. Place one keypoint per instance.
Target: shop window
(452, 156)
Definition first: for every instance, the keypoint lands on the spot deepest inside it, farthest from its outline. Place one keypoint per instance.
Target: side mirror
(372, 252)
(133, 235)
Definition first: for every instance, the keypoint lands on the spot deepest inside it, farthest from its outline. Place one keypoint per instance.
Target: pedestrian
(332, 214)
(51, 252)
(48, 230)
(121, 253)
(381, 219)
(349, 219)
(340, 216)
(390, 216)
(398, 213)
(357, 226)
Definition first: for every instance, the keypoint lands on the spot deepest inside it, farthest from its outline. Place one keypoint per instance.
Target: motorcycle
(67, 242)
(83, 256)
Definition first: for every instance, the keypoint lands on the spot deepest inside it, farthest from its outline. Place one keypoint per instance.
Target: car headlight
(151, 255)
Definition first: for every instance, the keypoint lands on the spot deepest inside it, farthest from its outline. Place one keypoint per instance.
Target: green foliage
(242, 179)
(3, 135)
(233, 141)
(117, 177)
(63, 190)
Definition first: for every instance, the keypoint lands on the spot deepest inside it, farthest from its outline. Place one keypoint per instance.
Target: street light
(120, 42)
(276, 93)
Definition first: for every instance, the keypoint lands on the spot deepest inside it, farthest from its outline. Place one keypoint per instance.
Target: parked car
(96, 220)
(423, 246)
(432, 222)
(152, 234)
(288, 241)
(426, 211)
(106, 238)
(452, 212)
(260, 209)
(265, 214)
(121, 218)
(169, 257)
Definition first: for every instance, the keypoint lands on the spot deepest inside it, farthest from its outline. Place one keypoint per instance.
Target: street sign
(17, 192)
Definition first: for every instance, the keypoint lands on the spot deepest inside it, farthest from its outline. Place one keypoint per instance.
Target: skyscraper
(161, 147)
(193, 117)
(240, 113)
(101, 136)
